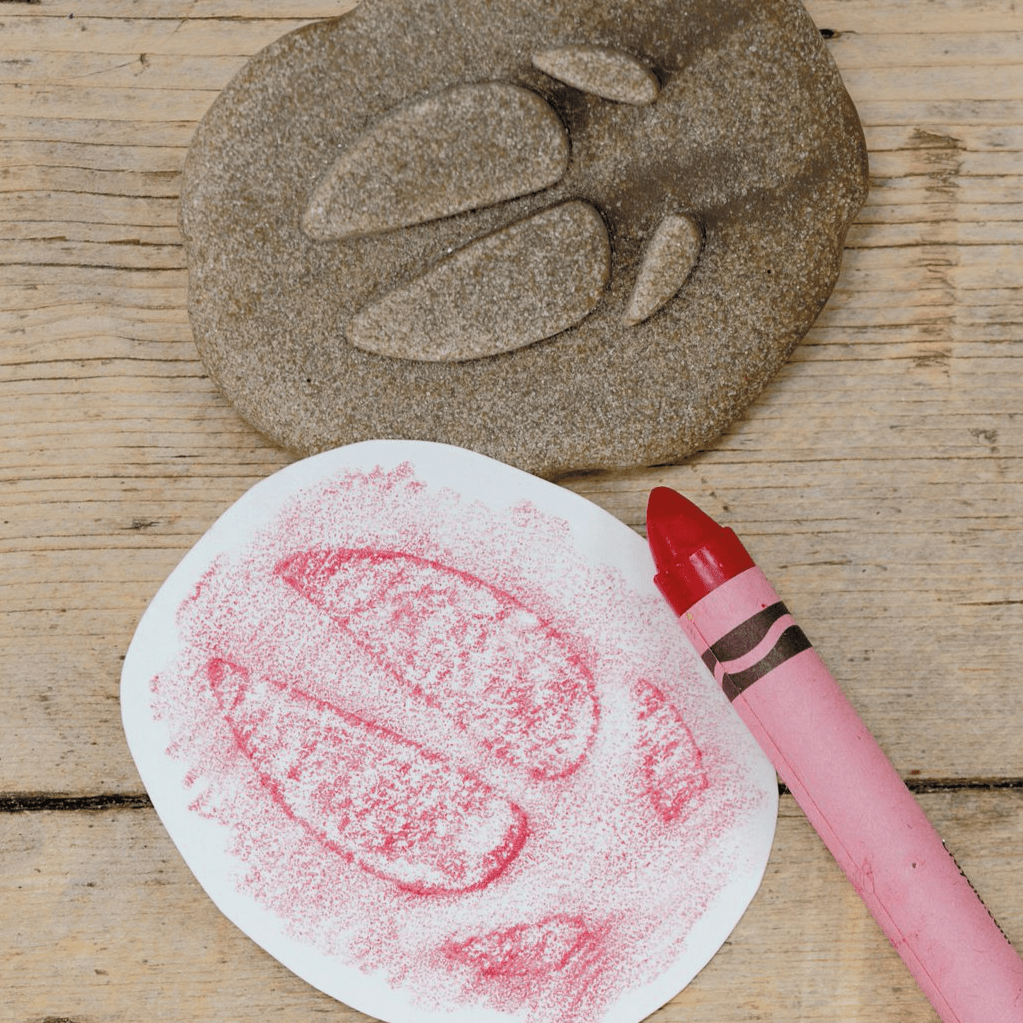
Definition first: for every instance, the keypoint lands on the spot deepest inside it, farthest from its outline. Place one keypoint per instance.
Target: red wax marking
(671, 760)
(376, 694)
(527, 950)
(467, 647)
(367, 794)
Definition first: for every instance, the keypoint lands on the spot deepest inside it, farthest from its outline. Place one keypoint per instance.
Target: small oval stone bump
(522, 284)
(605, 72)
(464, 148)
(669, 259)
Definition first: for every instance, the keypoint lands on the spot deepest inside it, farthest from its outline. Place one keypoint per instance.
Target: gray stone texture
(523, 283)
(751, 135)
(603, 72)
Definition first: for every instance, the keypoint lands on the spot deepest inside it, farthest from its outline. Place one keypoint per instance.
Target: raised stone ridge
(751, 133)
(523, 283)
(459, 149)
(603, 71)
(667, 262)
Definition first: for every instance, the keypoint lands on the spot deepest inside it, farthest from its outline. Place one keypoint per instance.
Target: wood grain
(879, 482)
(100, 938)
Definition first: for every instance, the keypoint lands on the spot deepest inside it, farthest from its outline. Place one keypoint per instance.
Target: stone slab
(750, 133)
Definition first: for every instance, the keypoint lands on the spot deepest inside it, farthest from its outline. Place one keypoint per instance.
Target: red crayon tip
(692, 553)
(675, 526)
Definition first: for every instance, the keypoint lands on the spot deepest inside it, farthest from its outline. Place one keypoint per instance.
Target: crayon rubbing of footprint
(449, 751)
(495, 673)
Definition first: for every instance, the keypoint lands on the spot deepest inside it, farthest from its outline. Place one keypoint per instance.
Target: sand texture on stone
(544, 274)
(328, 320)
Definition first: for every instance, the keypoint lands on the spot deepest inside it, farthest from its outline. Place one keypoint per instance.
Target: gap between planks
(43, 802)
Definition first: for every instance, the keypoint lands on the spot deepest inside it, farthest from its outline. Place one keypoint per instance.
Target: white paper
(423, 728)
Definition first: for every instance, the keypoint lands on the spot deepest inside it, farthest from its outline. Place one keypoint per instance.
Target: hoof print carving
(608, 73)
(528, 281)
(473, 146)
(466, 147)
(667, 263)
(391, 224)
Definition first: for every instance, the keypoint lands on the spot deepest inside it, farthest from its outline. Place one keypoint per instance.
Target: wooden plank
(119, 70)
(899, 407)
(83, 156)
(913, 19)
(957, 55)
(97, 131)
(143, 32)
(103, 922)
(927, 112)
(913, 84)
(71, 102)
(975, 137)
(933, 50)
(877, 480)
(180, 10)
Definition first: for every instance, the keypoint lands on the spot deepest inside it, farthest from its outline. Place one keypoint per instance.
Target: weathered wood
(104, 922)
(877, 480)
(899, 407)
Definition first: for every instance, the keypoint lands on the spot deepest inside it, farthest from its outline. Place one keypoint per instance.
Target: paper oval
(376, 841)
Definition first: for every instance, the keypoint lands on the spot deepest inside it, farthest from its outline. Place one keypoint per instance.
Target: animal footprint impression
(434, 756)
(572, 234)
(469, 147)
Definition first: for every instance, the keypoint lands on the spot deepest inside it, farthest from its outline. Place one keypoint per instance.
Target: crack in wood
(929, 786)
(42, 802)
(36, 802)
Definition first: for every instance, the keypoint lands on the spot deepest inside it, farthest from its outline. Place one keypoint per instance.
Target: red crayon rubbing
(670, 758)
(468, 648)
(400, 812)
(849, 791)
(441, 759)
(527, 950)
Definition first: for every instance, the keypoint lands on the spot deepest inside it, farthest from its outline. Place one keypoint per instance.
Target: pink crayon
(822, 751)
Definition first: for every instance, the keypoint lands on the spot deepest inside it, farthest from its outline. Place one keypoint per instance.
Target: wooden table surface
(878, 481)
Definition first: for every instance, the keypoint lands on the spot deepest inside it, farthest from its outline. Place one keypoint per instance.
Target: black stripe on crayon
(791, 642)
(743, 638)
